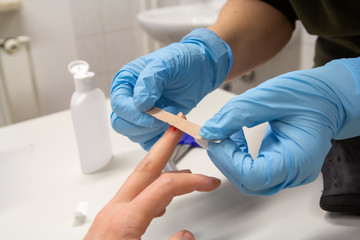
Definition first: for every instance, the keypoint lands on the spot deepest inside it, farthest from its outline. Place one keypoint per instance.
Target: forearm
(254, 30)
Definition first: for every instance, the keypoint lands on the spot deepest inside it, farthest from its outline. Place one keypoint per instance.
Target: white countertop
(41, 185)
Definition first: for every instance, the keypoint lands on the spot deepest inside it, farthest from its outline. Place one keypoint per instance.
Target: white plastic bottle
(90, 120)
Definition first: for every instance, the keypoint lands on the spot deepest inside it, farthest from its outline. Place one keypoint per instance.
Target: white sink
(170, 24)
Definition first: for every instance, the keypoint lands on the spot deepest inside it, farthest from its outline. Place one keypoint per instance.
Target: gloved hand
(305, 110)
(174, 78)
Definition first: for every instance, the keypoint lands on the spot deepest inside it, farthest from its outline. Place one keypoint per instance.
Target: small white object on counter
(80, 213)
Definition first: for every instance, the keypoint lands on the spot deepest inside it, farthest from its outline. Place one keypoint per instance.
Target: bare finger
(151, 166)
(155, 198)
(182, 235)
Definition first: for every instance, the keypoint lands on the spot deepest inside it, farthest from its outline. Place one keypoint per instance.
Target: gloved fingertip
(204, 133)
(144, 102)
(211, 147)
(114, 121)
(113, 116)
(210, 133)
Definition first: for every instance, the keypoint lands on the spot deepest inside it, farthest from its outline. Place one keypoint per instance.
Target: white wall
(307, 43)
(107, 35)
(48, 24)
(104, 33)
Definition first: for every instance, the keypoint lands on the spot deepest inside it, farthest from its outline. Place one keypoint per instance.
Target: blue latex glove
(305, 110)
(174, 78)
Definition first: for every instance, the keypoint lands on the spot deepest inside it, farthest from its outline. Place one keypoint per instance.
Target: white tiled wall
(107, 35)
(49, 27)
(104, 33)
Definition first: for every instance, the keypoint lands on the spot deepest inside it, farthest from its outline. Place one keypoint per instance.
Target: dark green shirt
(335, 22)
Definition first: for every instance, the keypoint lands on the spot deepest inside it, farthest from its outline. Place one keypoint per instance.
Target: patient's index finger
(151, 166)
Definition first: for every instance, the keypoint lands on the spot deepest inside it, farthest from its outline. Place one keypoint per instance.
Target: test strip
(182, 124)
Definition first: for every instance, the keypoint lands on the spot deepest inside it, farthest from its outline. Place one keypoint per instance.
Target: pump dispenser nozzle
(78, 66)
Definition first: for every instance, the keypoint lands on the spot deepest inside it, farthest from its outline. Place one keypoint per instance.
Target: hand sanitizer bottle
(90, 120)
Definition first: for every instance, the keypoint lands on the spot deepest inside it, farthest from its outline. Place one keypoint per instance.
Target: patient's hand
(146, 194)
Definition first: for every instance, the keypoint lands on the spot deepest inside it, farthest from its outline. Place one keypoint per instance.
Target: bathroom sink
(170, 24)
